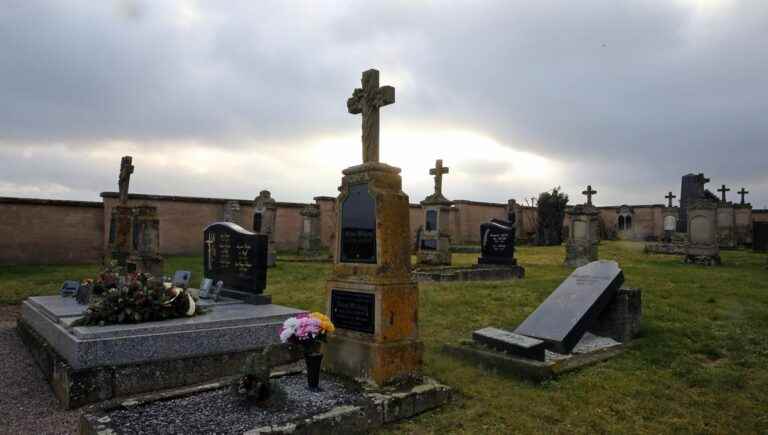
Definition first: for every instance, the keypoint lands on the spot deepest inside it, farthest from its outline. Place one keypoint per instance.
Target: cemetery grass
(699, 365)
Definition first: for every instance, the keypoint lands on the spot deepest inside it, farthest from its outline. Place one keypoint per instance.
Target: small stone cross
(670, 197)
(722, 191)
(438, 172)
(743, 192)
(589, 192)
(367, 100)
(126, 169)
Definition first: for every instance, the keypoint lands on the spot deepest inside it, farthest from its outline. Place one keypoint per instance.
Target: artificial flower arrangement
(307, 330)
(117, 298)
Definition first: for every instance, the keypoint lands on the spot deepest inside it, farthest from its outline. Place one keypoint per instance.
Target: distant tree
(551, 212)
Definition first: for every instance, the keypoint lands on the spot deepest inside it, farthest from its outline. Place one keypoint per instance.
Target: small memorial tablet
(353, 310)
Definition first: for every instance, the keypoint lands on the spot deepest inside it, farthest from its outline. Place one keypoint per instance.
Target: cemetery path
(27, 405)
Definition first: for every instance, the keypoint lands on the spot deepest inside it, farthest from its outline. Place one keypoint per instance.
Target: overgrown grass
(699, 366)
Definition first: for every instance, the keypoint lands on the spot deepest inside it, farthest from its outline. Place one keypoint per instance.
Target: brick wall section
(34, 231)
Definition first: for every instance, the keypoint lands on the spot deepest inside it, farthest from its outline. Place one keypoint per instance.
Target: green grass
(699, 366)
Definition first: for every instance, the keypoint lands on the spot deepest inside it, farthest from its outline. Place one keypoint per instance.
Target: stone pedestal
(581, 247)
(120, 246)
(702, 246)
(310, 245)
(146, 242)
(265, 221)
(435, 243)
(371, 297)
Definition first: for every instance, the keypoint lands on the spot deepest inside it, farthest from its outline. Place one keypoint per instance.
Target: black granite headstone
(238, 258)
(358, 226)
(760, 236)
(497, 243)
(353, 310)
(431, 220)
(563, 318)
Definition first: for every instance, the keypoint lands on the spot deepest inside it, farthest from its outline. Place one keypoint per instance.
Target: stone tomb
(238, 258)
(702, 246)
(435, 239)
(584, 320)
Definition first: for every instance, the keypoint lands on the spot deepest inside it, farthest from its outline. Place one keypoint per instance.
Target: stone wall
(35, 231)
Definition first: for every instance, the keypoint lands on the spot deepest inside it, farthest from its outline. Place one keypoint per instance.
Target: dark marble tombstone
(760, 236)
(238, 258)
(497, 243)
(563, 318)
(358, 226)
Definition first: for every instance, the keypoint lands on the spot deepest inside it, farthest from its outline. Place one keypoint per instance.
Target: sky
(225, 99)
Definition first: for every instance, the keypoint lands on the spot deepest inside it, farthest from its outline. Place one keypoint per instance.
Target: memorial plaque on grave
(760, 236)
(354, 311)
(429, 244)
(563, 318)
(431, 220)
(497, 243)
(238, 258)
(358, 226)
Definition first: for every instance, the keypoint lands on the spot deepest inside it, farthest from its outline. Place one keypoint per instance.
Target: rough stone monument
(265, 221)
(310, 245)
(581, 247)
(145, 257)
(515, 217)
(435, 239)
(122, 215)
(702, 246)
(371, 297)
(692, 189)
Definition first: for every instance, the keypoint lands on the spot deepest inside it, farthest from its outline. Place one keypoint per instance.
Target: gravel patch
(27, 405)
(223, 412)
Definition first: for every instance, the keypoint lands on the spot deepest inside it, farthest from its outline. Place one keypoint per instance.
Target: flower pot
(313, 361)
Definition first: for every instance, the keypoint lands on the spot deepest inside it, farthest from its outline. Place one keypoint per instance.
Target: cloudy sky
(225, 99)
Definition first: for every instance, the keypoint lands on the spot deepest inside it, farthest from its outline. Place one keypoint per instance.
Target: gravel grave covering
(221, 411)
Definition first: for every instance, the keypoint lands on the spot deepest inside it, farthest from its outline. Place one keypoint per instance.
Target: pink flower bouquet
(307, 330)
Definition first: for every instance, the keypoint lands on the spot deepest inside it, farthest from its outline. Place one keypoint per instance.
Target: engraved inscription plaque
(353, 310)
(358, 226)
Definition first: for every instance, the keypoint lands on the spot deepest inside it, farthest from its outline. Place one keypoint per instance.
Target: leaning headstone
(702, 246)
(435, 240)
(146, 242)
(310, 244)
(264, 222)
(238, 258)
(563, 318)
(581, 247)
(497, 243)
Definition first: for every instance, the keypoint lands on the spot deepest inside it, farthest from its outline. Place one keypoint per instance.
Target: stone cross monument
(581, 246)
(126, 169)
(121, 217)
(670, 197)
(670, 216)
(435, 241)
(722, 191)
(370, 296)
(743, 192)
(589, 192)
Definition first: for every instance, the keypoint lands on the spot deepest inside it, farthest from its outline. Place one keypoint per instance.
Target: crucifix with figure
(743, 192)
(589, 192)
(367, 100)
(438, 172)
(670, 197)
(722, 191)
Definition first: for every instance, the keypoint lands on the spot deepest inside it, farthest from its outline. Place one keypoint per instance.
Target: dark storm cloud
(626, 95)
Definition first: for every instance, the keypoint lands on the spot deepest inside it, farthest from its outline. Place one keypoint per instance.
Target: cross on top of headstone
(367, 100)
(438, 172)
(126, 169)
(743, 192)
(589, 192)
(670, 197)
(722, 191)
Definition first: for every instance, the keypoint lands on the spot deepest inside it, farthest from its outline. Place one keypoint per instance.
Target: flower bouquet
(308, 331)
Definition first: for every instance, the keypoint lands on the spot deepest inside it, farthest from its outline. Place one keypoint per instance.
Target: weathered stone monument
(691, 189)
(371, 297)
(121, 216)
(238, 258)
(581, 247)
(435, 238)
(310, 245)
(145, 256)
(670, 216)
(265, 221)
(515, 217)
(702, 246)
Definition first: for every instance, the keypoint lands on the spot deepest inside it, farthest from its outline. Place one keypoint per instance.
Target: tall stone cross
(589, 192)
(126, 169)
(367, 100)
(722, 191)
(670, 197)
(438, 172)
(743, 192)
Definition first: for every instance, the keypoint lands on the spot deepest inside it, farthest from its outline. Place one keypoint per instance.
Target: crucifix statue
(743, 192)
(722, 191)
(670, 197)
(589, 192)
(438, 172)
(126, 169)
(367, 100)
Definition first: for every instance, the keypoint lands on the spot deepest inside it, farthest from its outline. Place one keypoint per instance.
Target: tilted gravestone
(238, 258)
(497, 243)
(563, 318)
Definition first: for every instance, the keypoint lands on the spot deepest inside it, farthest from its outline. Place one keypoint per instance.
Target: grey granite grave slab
(563, 318)
(506, 341)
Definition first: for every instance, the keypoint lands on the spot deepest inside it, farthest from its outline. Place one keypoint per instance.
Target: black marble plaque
(431, 220)
(563, 318)
(760, 236)
(353, 310)
(429, 244)
(235, 256)
(257, 222)
(358, 226)
(497, 243)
